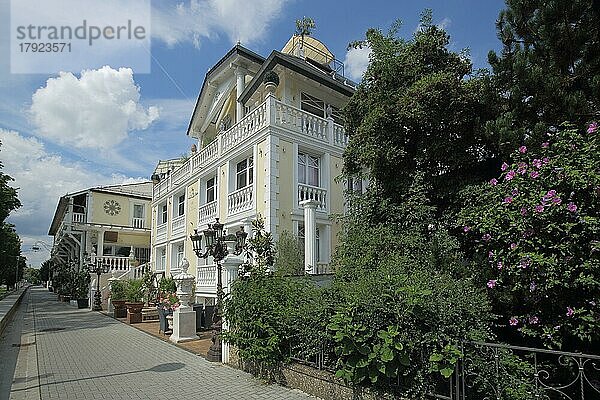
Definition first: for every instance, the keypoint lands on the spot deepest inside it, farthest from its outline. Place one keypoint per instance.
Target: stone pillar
(240, 74)
(184, 318)
(310, 235)
(230, 272)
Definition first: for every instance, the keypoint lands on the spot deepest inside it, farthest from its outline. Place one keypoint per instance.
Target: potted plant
(82, 288)
(271, 80)
(134, 294)
(168, 303)
(118, 298)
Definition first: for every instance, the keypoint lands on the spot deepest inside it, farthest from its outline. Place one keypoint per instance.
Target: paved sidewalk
(80, 354)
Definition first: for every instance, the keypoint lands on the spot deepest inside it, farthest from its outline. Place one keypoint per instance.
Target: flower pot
(83, 303)
(170, 322)
(120, 309)
(134, 312)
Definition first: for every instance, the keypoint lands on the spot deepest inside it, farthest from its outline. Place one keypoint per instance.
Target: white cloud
(356, 62)
(192, 20)
(444, 23)
(42, 178)
(95, 111)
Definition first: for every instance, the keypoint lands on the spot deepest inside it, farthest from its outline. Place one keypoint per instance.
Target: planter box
(120, 311)
(134, 312)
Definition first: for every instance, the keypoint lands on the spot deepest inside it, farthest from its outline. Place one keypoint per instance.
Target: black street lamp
(216, 248)
(98, 267)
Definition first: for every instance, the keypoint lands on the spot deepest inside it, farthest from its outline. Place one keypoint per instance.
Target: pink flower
(592, 128)
(515, 192)
(532, 287)
(570, 312)
(490, 254)
(513, 321)
(539, 208)
(572, 207)
(522, 149)
(487, 237)
(534, 320)
(545, 145)
(523, 211)
(507, 200)
(557, 201)
(493, 181)
(504, 166)
(537, 163)
(525, 263)
(466, 229)
(510, 175)
(534, 174)
(522, 168)
(492, 283)
(551, 193)
(545, 160)
(513, 246)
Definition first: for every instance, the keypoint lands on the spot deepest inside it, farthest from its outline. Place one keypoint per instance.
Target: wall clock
(112, 207)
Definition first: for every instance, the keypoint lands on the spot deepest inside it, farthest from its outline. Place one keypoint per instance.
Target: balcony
(207, 213)
(116, 263)
(240, 200)
(138, 222)
(308, 192)
(161, 232)
(178, 226)
(206, 279)
(78, 218)
(271, 112)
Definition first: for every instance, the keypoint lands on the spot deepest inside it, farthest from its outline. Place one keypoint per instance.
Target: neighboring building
(109, 221)
(262, 151)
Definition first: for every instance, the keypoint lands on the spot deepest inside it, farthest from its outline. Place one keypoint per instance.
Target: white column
(231, 265)
(100, 244)
(310, 235)
(240, 74)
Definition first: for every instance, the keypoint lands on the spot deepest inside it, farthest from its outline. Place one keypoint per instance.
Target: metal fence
(491, 371)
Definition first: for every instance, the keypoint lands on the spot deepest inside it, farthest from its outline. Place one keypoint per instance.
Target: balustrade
(161, 232)
(240, 200)
(138, 222)
(178, 225)
(206, 279)
(307, 192)
(78, 218)
(207, 212)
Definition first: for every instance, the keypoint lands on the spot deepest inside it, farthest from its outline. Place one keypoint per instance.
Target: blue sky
(48, 160)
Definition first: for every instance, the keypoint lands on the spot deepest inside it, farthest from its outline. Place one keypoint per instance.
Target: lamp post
(98, 267)
(216, 247)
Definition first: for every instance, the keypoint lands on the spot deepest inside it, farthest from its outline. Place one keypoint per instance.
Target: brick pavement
(85, 355)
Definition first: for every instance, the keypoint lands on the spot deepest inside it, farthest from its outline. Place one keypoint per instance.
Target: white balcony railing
(240, 200)
(78, 218)
(206, 279)
(116, 263)
(138, 222)
(207, 213)
(178, 225)
(271, 112)
(161, 232)
(307, 192)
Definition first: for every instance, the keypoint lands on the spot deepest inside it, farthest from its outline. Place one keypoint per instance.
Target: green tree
(45, 270)
(10, 244)
(548, 71)
(8, 195)
(416, 110)
(289, 258)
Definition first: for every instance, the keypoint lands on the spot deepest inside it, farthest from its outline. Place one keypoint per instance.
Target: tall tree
(416, 111)
(8, 195)
(10, 244)
(548, 71)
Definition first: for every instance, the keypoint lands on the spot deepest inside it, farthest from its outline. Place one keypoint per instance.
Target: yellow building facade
(264, 149)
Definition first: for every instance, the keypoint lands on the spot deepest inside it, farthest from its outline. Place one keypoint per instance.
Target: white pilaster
(240, 75)
(310, 235)
(230, 272)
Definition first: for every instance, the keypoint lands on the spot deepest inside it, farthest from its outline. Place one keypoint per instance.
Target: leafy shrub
(82, 281)
(117, 290)
(134, 290)
(167, 285)
(536, 230)
(289, 259)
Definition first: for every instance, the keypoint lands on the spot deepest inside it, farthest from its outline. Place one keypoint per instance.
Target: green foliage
(10, 254)
(118, 290)
(81, 284)
(8, 195)
(305, 26)
(32, 275)
(289, 259)
(167, 285)
(45, 270)
(548, 71)
(445, 360)
(535, 230)
(134, 290)
(260, 250)
(415, 112)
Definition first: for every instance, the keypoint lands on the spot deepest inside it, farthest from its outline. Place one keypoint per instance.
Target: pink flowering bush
(536, 229)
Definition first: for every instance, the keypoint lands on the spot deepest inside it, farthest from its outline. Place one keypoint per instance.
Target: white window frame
(207, 188)
(178, 204)
(305, 166)
(161, 258)
(247, 172)
(143, 217)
